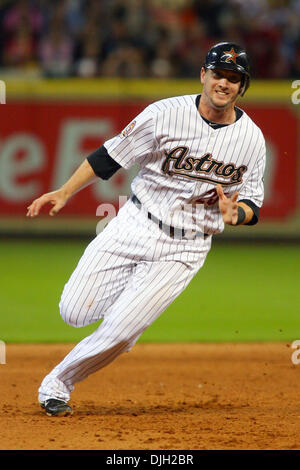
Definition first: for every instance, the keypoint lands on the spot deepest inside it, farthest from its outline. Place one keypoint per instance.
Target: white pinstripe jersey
(182, 158)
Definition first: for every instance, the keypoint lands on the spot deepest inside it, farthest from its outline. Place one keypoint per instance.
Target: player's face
(221, 87)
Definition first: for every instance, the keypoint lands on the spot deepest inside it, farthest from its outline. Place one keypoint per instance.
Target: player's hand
(57, 198)
(228, 206)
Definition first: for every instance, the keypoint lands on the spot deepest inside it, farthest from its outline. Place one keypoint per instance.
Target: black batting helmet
(230, 56)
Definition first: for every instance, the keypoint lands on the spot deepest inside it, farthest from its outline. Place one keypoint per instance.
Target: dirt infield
(187, 397)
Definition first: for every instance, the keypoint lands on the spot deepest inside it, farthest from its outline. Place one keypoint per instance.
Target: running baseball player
(201, 161)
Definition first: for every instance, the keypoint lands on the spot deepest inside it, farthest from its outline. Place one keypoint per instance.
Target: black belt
(173, 232)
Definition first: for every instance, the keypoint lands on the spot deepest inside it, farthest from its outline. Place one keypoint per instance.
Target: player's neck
(220, 116)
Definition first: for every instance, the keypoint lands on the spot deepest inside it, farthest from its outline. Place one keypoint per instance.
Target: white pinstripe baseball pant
(128, 275)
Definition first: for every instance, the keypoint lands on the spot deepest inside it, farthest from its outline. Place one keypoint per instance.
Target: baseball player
(201, 162)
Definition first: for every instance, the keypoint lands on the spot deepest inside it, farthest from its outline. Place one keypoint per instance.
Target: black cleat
(54, 407)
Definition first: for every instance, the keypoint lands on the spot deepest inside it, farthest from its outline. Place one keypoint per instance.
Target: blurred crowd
(146, 38)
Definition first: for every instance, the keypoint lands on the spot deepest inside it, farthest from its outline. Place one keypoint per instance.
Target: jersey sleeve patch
(128, 129)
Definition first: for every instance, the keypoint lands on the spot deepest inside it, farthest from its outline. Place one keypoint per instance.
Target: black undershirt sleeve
(255, 209)
(103, 165)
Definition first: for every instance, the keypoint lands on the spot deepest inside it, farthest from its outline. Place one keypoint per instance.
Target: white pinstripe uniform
(133, 270)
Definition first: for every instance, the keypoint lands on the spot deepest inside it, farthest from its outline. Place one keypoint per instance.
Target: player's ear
(202, 74)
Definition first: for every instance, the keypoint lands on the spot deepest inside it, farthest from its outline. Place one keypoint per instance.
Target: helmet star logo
(232, 55)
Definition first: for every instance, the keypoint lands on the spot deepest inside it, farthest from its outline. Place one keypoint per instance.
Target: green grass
(243, 293)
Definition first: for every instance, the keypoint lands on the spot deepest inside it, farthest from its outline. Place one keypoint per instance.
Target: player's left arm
(243, 208)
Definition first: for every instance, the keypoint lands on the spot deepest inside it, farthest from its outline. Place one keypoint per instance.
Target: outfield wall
(49, 126)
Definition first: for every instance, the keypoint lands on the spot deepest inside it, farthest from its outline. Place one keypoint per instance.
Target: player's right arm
(122, 151)
(82, 177)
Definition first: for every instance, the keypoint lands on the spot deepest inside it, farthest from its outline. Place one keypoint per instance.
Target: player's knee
(64, 313)
(69, 314)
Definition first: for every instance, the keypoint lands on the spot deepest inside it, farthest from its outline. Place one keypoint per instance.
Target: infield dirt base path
(170, 396)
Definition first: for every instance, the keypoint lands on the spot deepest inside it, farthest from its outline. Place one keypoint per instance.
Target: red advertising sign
(42, 144)
(280, 127)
